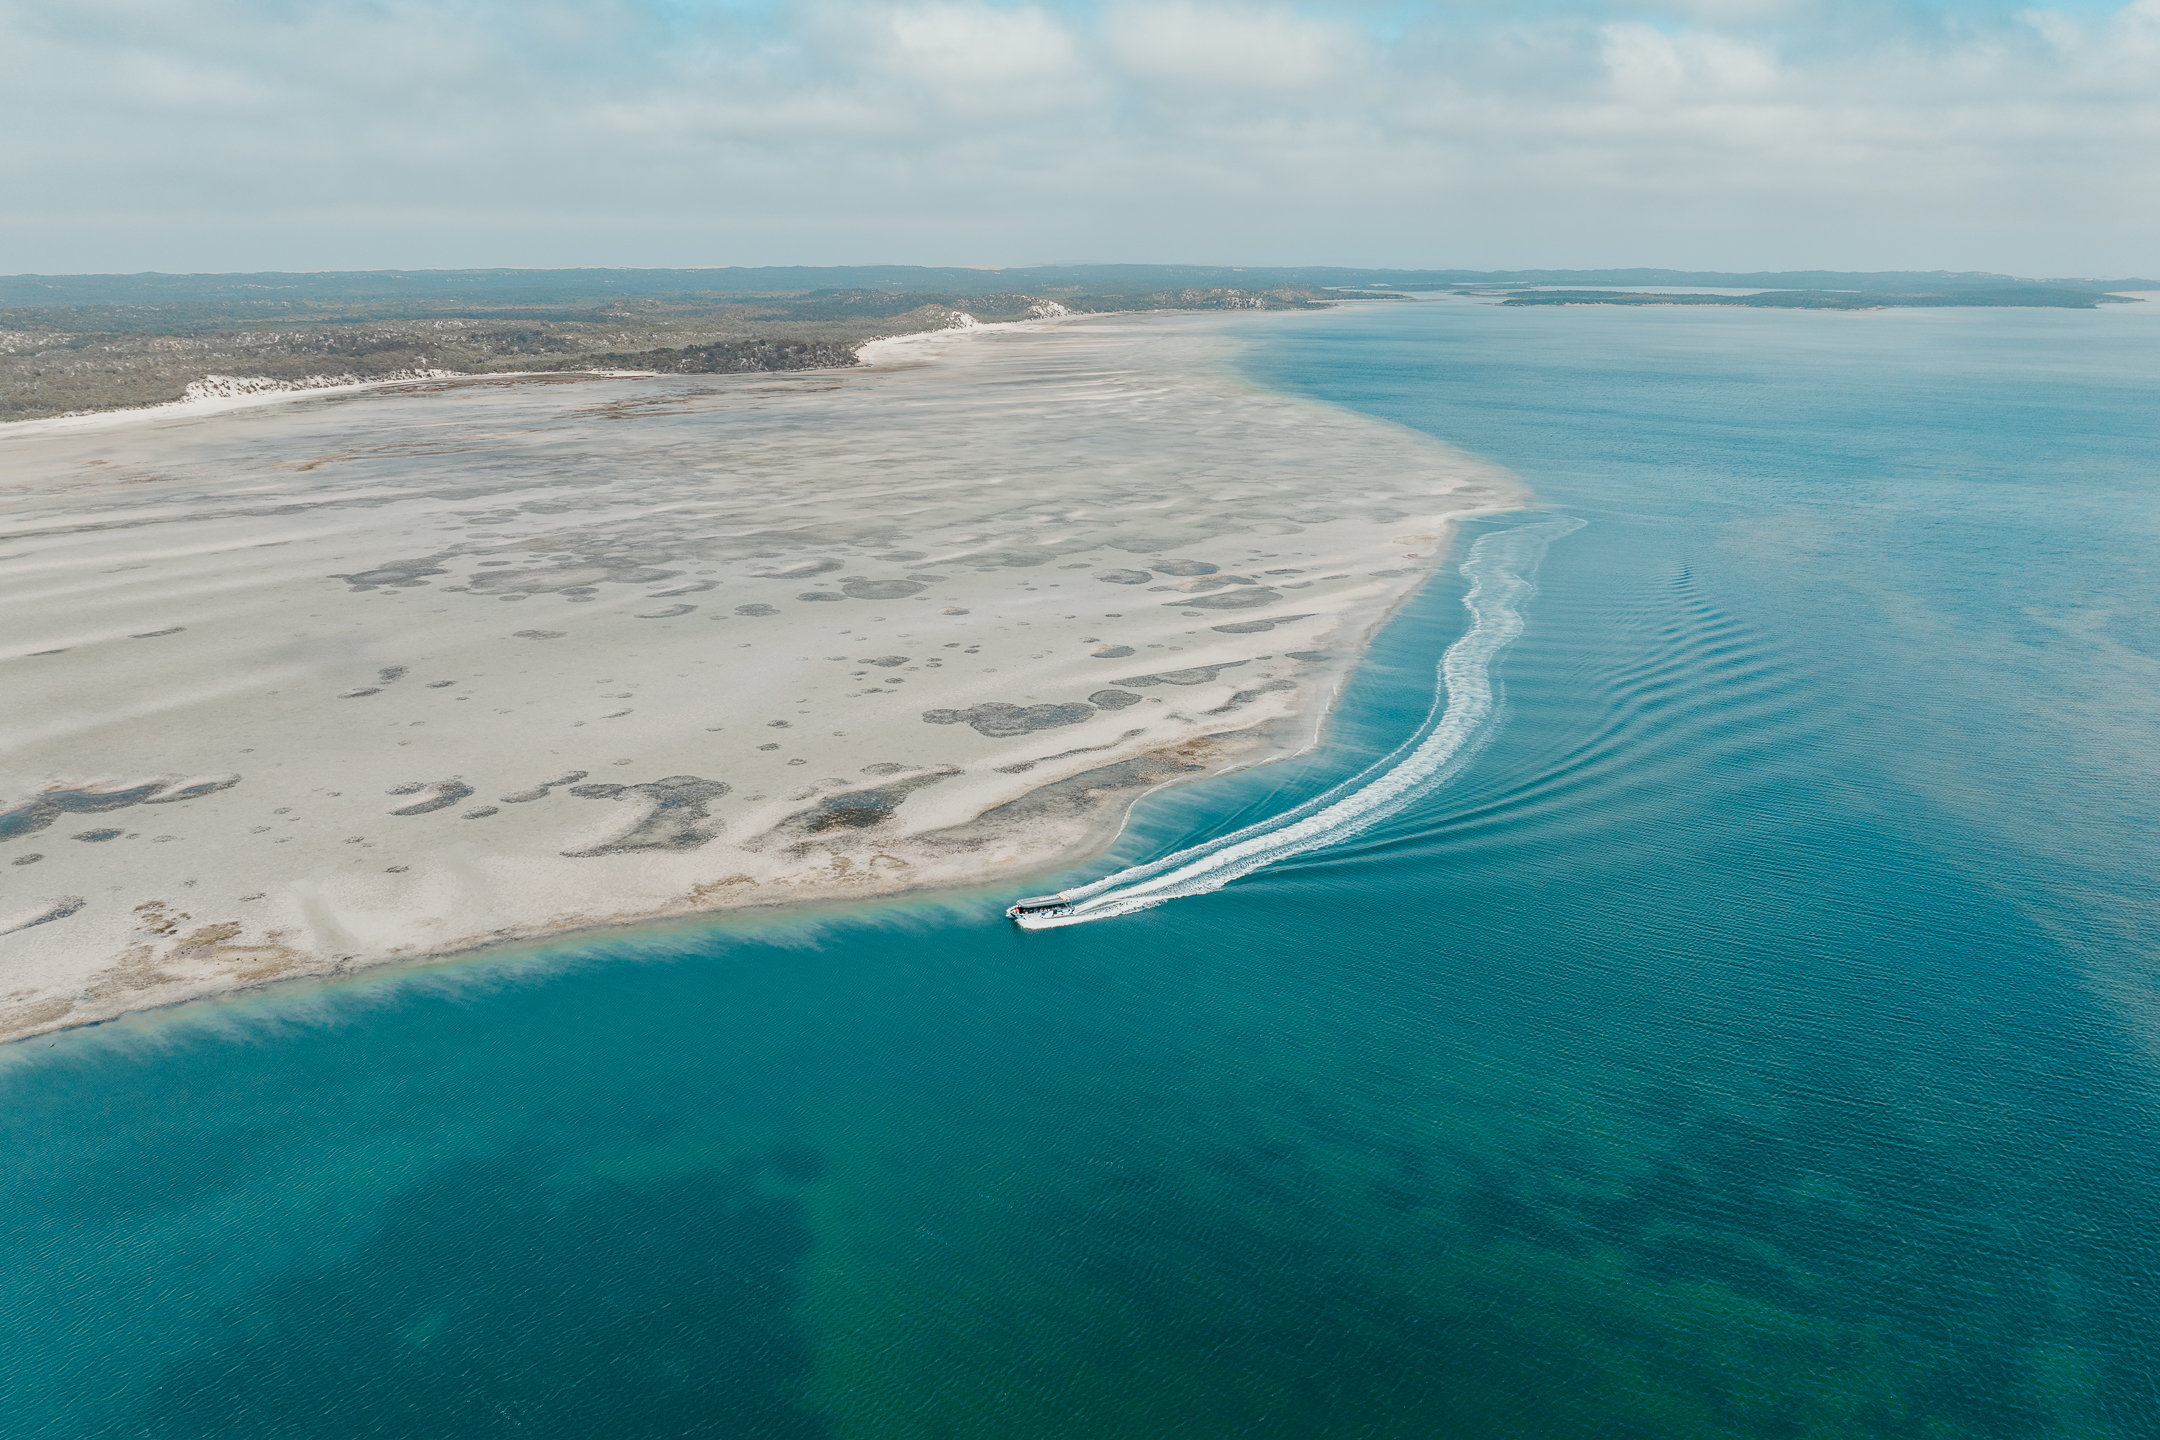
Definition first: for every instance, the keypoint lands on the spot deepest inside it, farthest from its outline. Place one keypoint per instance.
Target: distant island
(2071, 296)
(76, 343)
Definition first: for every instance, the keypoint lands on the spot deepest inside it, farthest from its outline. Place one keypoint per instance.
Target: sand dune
(368, 676)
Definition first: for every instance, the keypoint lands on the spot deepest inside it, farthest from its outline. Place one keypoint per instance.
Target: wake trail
(1465, 704)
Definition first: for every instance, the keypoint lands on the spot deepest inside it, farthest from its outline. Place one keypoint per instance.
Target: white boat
(1039, 907)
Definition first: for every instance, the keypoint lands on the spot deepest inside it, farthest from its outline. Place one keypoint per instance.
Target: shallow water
(1755, 1038)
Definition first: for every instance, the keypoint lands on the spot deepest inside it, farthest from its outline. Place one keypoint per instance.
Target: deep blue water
(1757, 1039)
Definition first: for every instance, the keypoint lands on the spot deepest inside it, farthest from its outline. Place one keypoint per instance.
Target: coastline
(277, 392)
(1169, 475)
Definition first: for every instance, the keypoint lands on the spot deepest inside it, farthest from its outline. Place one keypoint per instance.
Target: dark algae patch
(1195, 675)
(441, 795)
(851, 810)
(544, 789)
(1231, 599)
(677, 814)
(881, 589)
(999, 718)
(27, 817)
(1255, 627)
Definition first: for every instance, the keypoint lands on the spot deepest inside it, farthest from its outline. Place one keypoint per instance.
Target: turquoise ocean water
(1751, 1031)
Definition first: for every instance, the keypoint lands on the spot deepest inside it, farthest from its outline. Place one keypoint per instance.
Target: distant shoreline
(74, 345)
(2014, 296)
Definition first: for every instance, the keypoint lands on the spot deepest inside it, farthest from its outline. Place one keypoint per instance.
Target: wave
(1465, 704)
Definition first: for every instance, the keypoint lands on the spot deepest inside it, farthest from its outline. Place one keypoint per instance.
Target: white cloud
(966, 44)
(1652, 67)
(228, 134)
(1269, 49)
(2061, 31)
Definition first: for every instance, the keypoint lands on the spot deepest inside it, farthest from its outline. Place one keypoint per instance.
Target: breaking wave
(1465, 704)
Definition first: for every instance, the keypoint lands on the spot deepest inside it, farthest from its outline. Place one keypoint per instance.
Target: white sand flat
(385, 674)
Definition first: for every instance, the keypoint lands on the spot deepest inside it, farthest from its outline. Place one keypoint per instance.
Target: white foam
(1499, 569)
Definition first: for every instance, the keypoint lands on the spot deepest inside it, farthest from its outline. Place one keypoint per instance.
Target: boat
(1039, 907)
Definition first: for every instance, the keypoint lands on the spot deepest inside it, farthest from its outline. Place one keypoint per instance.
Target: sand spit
(218, 394)
(366, 677)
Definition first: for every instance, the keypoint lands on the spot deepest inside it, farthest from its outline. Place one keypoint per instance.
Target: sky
(235, 135)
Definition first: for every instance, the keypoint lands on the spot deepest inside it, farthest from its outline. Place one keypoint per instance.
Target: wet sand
(370, 676)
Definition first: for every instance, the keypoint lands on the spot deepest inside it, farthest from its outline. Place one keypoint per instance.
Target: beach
(377, 675)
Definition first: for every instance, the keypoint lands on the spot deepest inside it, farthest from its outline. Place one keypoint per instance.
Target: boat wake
(1465, 704)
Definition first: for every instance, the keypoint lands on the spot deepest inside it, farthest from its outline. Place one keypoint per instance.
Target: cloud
(235, 134)
(1651, 67)
(976, 60)
(1268, 50)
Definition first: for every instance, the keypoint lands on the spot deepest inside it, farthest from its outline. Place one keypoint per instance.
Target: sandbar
(371, 676)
